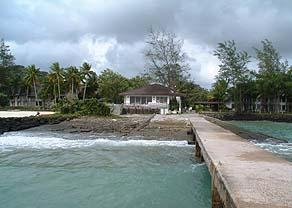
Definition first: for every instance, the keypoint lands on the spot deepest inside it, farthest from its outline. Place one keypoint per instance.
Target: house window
(149, 99)
(132, 99)
(283, 99)
(161, 99)
(283, 107)
(140, 100)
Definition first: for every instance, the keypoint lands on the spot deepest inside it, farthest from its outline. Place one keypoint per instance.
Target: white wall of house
(178, 99)
(160, 101)
(229, 104)
(127, 100)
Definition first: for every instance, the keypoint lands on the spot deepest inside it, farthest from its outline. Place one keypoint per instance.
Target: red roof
(153, 89)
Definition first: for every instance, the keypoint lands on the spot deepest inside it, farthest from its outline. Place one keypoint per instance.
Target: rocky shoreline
(157, 127)
(20, 123)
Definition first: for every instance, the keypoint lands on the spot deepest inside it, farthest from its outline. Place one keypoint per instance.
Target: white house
(154, 96)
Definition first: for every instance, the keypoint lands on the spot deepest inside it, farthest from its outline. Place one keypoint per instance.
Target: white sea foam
(197, 165)
(281, 148)
(18, 141)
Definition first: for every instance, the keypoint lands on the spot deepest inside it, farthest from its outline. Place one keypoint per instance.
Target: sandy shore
(18, 113)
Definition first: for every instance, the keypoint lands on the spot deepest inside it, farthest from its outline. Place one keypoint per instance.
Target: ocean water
(48, 169)
(278, 130)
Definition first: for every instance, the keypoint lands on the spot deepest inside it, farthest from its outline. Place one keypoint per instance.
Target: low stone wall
(250, 117)
(140, 111)
(15, 124)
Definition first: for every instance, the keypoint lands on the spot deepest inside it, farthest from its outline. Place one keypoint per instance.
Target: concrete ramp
(243, 175)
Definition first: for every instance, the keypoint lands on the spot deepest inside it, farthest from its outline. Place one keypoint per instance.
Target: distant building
(261, 104)
(152, 97)
(268, 104)
(21, 100)
(29, 100)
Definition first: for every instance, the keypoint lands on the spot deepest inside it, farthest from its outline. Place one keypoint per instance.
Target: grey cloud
(47, 31)
(246, 22)
(126, 21)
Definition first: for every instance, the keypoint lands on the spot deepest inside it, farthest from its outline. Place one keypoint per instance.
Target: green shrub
(95, 107)
(4, 100)
(199, 108)
(174, 104)
(88, 107)
(68, 106)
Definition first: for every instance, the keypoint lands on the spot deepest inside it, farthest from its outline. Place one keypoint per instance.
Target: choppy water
(54, 170)
(279, 130)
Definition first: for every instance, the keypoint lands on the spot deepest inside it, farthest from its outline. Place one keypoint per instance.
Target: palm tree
(27, 89)
(31, 78)
(58, 73)
(73, 77)
(87, 74)
(51, 85)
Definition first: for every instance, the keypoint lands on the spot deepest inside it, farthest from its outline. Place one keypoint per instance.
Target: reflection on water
(48, 170)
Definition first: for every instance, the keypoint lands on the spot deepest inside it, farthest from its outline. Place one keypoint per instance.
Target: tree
(138, 81)
(288, 82)
(193, 92)
(11, 80)
(58, 74)
(92, 85)
(111, 84)
(87, 74)
(51, 86)
(166, 61)
(73, 78)
(31, 78)
(233, 68)
(6, 58)
(219, 90)
(271, 75)
(6, 61)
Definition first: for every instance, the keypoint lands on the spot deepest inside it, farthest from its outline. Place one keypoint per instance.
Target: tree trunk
(84, 92)
(59, 91)
(55, 96)
(35, 93)
(27, 104)
(72, 87)
(278, 103)
(240, 100)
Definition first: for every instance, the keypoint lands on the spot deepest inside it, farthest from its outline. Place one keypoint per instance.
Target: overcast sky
(111, 33)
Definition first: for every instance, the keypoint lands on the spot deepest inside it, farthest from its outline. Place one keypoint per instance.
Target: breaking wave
(18, 141)
(281, 148)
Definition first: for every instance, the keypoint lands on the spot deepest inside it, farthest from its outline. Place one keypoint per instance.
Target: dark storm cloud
(111, 33)
(67, 20)
(246, 22)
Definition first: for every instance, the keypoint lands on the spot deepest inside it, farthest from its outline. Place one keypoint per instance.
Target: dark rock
(15, 124)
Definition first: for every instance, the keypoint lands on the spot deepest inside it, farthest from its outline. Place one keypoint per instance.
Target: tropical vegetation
(246, 87)
(79, 88)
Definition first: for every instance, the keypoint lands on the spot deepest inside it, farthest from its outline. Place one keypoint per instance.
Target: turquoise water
(279, 130)
(37, 170)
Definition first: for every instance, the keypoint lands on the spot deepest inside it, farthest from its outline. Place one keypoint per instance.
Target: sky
(111, 33)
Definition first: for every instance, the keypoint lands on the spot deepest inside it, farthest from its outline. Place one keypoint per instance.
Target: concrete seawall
(243, 175)
(250, 116)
